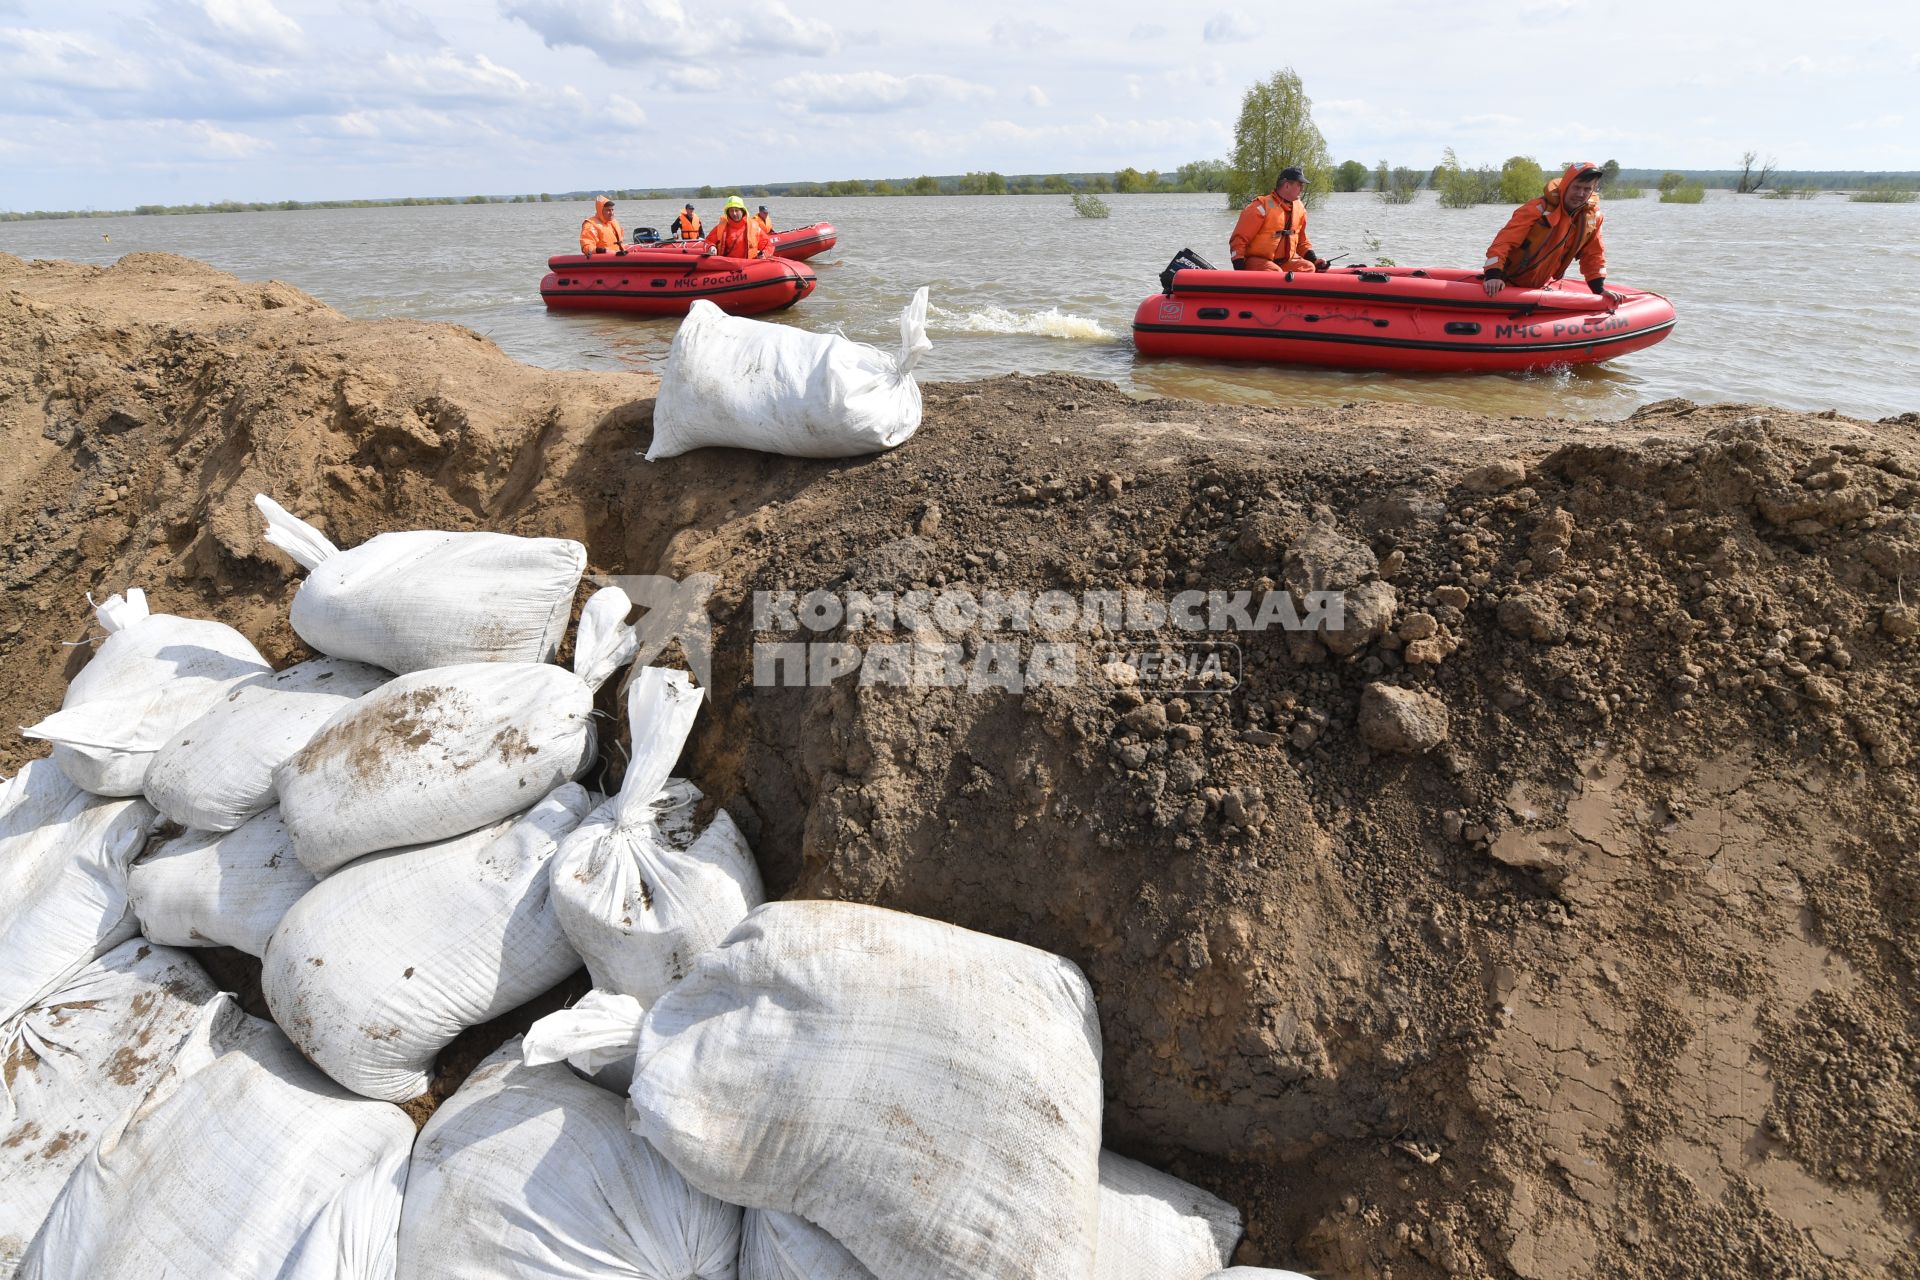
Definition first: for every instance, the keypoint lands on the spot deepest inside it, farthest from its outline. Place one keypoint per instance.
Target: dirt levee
(1553, 918)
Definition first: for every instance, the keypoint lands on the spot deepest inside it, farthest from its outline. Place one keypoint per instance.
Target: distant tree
(989, 183)
(1097, 183)
(1204, 175)
(1749, 180)
(1130, 181)
(1396, 186)
(1462, 188)
(1057, 184)
(1276, 129)
(1521, 179)
(924, 185)
(884, 188)
(1671, 181)
(706, 193)
(1608, 172)
(1350, 176)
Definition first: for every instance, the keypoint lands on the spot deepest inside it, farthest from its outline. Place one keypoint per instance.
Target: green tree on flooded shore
(1275, 130)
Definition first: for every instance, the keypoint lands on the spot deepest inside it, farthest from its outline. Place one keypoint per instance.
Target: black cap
(1292, 173)
(689, 204)
(1588, 171)
(763, 208)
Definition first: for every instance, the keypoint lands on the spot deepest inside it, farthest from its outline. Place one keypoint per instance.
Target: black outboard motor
(645, 235)
(1185, 260)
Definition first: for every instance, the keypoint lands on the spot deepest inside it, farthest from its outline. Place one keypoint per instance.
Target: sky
(112, 103)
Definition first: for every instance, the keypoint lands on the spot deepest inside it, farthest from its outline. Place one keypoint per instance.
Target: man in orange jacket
(765, 220)
(601, 232)
(739, 236)
(686, 223)
(1272, 232)
(1544, 237)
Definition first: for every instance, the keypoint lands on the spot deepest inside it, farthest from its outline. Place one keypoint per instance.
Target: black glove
(1494, 273)
(601, 249)
(1319, 264)
(622, 252)
(1598, 284)
(1239, 264)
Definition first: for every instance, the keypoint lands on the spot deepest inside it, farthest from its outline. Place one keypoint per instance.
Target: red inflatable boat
(665, 281)
(1419, 319)
(803, 242)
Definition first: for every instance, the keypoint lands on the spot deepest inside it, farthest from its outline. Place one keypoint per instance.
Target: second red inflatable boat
(665, 282)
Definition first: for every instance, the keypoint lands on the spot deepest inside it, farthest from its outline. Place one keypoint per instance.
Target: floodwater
(1805, 304)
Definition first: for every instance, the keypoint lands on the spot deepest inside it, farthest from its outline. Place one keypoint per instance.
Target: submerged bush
(1088, 205)
(1884, 193)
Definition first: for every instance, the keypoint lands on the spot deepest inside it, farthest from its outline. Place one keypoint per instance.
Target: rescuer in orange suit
(601, 232)
(739, 236)
(1272, 232)
(686, 224)
(1544, 237)
(765, 220)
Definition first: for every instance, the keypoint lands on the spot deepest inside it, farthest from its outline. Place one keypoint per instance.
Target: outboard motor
(645, 235)
(1185, 260)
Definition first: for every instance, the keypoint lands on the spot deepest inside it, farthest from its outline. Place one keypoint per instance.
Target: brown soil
(1582, 945)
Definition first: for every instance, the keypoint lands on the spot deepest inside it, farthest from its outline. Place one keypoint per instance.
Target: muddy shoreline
(1560, 926)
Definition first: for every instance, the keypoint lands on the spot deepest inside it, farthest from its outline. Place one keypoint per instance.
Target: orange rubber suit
(1272, 236)
(1541, 240)
(602, 231)
(742, 239)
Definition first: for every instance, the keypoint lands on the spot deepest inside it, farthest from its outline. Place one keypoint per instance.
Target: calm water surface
(1805, 304)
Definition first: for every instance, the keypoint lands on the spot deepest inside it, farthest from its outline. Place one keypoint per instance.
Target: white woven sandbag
(747, 384)
(596, 1036)
(152, 675)
(780, 1246)
(219, 888)
(1154, 1226)
(531, 1172)
(63, 878)
(436, 753)
(927, 1095)
(217, 772)
(242, 1162)
(86, 1050)
(384, 962)
(424, 598)
(640, 895)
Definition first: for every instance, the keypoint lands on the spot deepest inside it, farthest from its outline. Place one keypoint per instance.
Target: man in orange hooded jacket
(602, 232)
(1271, 234)
(1545, 236)
(737, 235)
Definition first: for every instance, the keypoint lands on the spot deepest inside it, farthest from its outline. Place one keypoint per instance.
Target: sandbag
(242, 1162)
(530, 1172)
(217, 772)
(436, 753)
(640, 895)
(76, 1058)
(780, 1246)
(1153, 1226)
(151, 676)
(927, 1095)
(747, 384)
(63, 878)
(597, 1037)
(219, 888)
(423, 598)
(383, 963)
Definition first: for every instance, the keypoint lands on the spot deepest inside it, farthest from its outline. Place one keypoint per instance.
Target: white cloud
(1147, 31)
(635, 32)
(858, 92)
(1037, 97)
(693, 79)
(450, 76)
(1229, 26)
(623, 110)
(64, 59)
(225, 144)
(1024, 33)
(400, 20)
(250, 27)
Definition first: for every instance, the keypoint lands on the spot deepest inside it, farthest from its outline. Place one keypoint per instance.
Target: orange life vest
(1271, 228)
(742, 239)
(688, 224)
(602, 230)
(766, 222)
